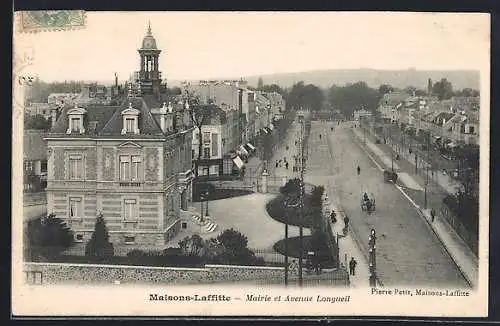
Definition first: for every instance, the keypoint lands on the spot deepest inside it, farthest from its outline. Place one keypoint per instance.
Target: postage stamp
(51, 20)
(146, 184)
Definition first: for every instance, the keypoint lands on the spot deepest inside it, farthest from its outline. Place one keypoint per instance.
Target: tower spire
(149, 27)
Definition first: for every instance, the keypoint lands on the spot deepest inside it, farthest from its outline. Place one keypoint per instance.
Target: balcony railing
(129, 184)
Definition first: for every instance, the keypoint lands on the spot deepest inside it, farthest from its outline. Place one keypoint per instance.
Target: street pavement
(254, 167)
(460, 252)
(408, 252)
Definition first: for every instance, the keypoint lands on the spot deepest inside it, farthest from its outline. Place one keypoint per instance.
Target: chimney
(163, 112)
(53, 117)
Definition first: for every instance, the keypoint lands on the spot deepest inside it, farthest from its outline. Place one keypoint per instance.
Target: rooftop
(35, 148)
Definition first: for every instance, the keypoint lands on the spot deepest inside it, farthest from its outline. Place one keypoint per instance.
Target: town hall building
(129, 162)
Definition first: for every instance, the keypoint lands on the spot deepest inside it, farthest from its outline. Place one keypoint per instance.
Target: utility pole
(392, 154)
(372, 258)
(427, 172)
(301, 202)
(286, 243)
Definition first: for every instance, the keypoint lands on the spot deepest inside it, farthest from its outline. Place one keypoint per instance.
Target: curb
(460, 269)
(354, 237)
(445, 246)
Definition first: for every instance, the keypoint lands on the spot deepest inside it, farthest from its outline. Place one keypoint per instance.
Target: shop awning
(243, 150)
(239, 163)
(251, 146)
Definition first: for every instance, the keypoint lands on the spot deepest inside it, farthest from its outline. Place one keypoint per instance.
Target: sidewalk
(458, 250)
(349, 246)
(254, 167)
(443, 180)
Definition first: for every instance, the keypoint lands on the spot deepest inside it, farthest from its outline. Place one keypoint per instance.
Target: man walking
(352, 266)
(433, 214)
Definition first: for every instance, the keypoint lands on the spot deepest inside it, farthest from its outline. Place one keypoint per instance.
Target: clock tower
(149, 77)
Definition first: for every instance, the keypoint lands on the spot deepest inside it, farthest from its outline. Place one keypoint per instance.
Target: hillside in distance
(374, 78)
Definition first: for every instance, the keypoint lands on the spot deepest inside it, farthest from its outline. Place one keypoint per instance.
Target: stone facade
(86, 274)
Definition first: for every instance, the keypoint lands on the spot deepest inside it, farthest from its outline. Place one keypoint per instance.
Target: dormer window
(130, 120)
(75, 120)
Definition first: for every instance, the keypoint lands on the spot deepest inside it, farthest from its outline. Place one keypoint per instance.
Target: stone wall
(56, 273)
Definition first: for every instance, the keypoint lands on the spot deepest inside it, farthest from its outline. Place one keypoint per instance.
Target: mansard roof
(108, 120)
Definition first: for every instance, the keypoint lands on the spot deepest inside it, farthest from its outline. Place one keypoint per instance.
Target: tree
(99, 246)
(272, 88)
(192, 246)
(235, 248)
(305, 96)
(385, 88)
(174, 91)
(47, 236)
(352, 97)
(467, 92)
(291, 189)
(443, 89)
(36, 122)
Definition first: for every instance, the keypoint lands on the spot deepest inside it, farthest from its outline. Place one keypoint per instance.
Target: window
(75, 167)
(206, 138)
(130, 210)
(184, 225)
(130, 120)
(129, 125)
(130, 167)
(215, 144)
(75, 124)
(28, 165)
(43, 166)
(135, 172)
(75, 208)
(206, 152)
(192, 154)
(124, 167)
(471, 129)
(33, 277)
(129, 239)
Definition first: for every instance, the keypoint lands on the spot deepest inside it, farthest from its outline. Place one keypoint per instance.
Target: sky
(203, 45)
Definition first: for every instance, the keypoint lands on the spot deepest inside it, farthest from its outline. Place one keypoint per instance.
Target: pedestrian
(359, 170)
(346, 221)
(352, 266)
(276, 163)
(286, 165)
(333, 217)
(319, 136)
(433, 214)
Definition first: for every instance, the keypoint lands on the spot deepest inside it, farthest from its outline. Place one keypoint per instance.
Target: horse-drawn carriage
(367, 202)
(390, 176)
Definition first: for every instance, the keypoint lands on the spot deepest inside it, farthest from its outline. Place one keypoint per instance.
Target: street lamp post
(206, 203)
(372, 258)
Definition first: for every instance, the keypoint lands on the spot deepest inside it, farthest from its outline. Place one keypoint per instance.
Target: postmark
(51, 20)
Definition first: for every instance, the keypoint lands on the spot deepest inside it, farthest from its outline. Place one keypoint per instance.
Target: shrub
(47, 236)
(99, 246)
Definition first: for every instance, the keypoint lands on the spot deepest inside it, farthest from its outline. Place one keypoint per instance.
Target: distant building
(62, 98)
(35, 160)
(360, 114)
(43, 109)
(131, 162)
(390, 104)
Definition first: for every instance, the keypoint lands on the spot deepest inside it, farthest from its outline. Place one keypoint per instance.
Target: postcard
(250, 163)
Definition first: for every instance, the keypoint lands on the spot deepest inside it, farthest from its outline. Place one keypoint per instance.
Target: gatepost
(265, 176)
